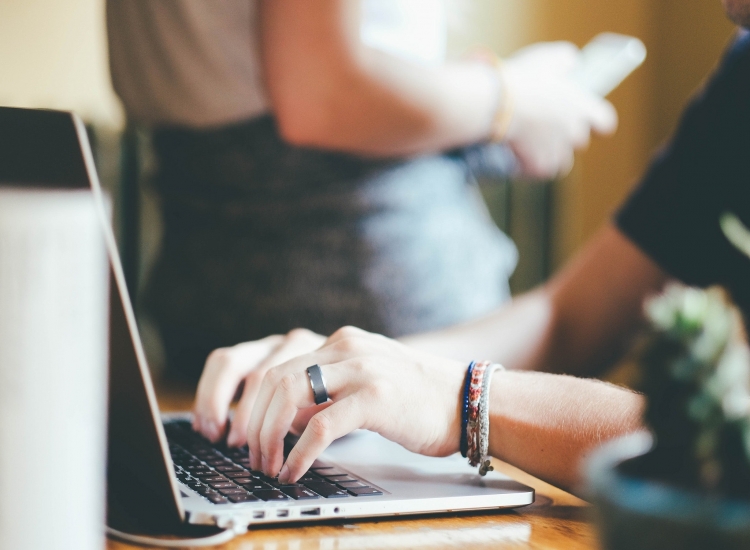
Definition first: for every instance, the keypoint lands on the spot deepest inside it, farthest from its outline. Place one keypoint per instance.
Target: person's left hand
(374, 383)
(243, 365)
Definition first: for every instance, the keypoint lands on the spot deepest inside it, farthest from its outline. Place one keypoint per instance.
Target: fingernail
(211, 430)
(284, 474)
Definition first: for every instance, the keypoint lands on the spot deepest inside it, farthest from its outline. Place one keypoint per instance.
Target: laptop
(160, 469)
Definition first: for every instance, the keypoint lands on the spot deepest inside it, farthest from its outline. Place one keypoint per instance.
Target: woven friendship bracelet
(472, 427)
(484, 420)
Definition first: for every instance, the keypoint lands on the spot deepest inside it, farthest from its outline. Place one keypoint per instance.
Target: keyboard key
(327, 490)
(255, 485)
(205, 475)
(336, 479)
(217, 499)
(298, 492)
(233, 491)
(228, 468)
(217, 462)
(329, 471)
(348, 484)
(364, 491)
(270, 495)
(243, 480)
(222, 485)
(242, 498)
(238, 473)
(214, 477)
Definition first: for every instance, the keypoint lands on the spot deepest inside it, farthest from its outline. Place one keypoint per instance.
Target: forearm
(546, 424)
(578, 323)
(386, 106)
(329, 90)
(519, 335)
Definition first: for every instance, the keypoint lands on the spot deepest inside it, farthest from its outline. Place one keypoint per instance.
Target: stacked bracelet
(475, 430)
(465, 409)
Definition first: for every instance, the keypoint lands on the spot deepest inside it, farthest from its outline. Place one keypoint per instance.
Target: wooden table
(556, 520)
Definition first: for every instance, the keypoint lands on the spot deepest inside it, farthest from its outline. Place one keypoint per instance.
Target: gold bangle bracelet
(505, 108)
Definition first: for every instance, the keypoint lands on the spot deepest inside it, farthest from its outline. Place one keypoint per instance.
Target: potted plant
(687, 484)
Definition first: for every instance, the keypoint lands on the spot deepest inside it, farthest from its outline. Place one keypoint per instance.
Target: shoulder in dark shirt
(673, 215)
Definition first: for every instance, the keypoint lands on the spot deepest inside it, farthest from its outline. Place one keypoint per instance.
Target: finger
(295, 343)
(345, 333)
(225, 369)
(271, 380)
(237, 435)
(292, 394)
(603, 116)
(304, 416)
(341, 418)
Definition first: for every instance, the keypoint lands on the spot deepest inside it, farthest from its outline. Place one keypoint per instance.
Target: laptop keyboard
(223, 475)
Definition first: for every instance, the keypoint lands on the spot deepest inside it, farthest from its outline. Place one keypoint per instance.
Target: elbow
(298, 131)
(307, 121)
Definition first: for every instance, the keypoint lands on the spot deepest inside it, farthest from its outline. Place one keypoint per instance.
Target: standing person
(303, 173)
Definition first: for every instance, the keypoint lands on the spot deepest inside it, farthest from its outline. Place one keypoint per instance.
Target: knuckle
(378, 390)
(220, 358)
(348, 331)
(320, 425)
(298, 334)
(288, 383)
(272, 377)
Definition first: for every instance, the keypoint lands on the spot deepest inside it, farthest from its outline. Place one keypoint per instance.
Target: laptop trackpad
(398, 471)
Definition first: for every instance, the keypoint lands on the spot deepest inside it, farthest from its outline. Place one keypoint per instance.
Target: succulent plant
(695, 373)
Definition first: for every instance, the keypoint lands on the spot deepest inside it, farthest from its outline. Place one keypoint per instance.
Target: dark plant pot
(637, 513)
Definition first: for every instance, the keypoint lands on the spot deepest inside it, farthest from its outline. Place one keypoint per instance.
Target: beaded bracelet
(476, 429)
(465, 409)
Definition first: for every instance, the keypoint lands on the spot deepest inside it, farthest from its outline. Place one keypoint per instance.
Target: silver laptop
(159, 468)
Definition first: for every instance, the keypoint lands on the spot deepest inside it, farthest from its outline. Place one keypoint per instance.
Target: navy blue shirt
(673, 215)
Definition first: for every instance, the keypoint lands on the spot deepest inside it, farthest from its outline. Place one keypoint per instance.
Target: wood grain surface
(556, 520)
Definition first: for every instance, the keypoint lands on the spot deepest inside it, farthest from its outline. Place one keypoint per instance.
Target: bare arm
(328, 90)
(546, 424)
(577, 323)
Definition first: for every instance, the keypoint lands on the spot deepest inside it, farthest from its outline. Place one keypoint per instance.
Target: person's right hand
(552, 115)
(227, 368)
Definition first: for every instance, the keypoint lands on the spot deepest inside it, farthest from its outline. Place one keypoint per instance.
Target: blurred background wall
(684, 38)
(53, 54)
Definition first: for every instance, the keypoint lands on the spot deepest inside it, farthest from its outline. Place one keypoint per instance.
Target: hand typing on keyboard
(223, 475)
(374, 383)
(227, 368)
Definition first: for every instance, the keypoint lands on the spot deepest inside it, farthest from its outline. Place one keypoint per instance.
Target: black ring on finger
(318, 384)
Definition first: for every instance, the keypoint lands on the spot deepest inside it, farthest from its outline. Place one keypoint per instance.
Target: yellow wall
(53, 54)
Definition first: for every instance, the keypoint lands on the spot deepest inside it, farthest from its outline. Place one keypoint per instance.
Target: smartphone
(607, 60)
